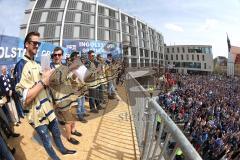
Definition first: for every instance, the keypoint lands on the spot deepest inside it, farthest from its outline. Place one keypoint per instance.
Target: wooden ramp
(108, 135)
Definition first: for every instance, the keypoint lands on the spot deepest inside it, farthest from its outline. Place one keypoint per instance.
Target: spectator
(35, 97)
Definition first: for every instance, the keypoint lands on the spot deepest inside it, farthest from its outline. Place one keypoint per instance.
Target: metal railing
(157, 135)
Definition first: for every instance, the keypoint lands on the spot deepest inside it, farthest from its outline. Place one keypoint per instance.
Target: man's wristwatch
(42, 83)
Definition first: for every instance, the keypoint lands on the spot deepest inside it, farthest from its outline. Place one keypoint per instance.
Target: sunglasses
(57, 55)
(35, 43)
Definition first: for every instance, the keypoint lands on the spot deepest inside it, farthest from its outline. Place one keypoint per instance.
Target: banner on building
(12, 50)
(99, 47)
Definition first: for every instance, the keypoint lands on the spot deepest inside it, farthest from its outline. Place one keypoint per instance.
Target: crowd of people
(208, 106)
(54, 96)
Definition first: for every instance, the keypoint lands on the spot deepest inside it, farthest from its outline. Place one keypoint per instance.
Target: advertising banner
(99, 47)
(12, 50)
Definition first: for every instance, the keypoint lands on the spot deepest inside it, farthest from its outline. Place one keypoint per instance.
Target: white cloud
(208, 25)
(173, 27)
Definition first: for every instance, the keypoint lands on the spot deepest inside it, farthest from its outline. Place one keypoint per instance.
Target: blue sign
(12, 50)
(99, 47)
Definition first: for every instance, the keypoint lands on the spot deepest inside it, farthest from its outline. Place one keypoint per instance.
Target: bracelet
(44, 85)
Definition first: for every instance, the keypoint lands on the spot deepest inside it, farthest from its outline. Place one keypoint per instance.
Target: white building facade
(189, 58)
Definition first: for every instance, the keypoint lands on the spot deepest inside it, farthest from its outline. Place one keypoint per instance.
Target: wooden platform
(108, 135)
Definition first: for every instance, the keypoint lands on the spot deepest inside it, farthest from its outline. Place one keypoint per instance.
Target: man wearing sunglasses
(32, 87)
(65, 101)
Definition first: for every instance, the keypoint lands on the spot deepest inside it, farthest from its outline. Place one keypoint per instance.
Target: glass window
(127, 28)
(166, 57)
(79, 5)
(92, 31)
(93, 8)
(77, 17)
(126, 19)
(106, 12)
(106, 22)
(181, 57)
(205, 66)
(92, 18)
(76, 31)
(203, 58)
(192, 57)
(106, 35)
(57, 31)
(117, 25)
(118, 37)
(173, 50)
(198, 57)
(41, 30)
(183, 49)
(134, 62)
(177, 57)
(59, 18)
(116, 15)
(48, 4)
(44, 17)
(171, 57)
(187, 57)
(178, 50)
(167, 50)
(62, 4)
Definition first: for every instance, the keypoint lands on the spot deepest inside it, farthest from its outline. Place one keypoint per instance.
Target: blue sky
(180, 21)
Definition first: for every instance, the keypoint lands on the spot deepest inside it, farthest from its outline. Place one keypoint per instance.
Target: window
(77, 17)
(142, 62)
(127, 29)
(171, 57)
(79, 5)
(106, 12)
(177, 57)
(167, 50)
(59, 18)
(116, 15)
(146, 62)
(161, 55)
(181, 57)
(84, 32)
(141, 52)
(203, 58)
(146, 53)
(178, 50)
(76, 32)
(187, 57)
(133, 51)
(117, 25)
(172, 50)
(93, 8)
(92, 31)
(192, 57)
(205, 66)
(41, 30)
(57, 31)
(44, 17)
(106, 35)
(134, 62)
(106, 22)
(62, 4)
(166, 57)
(92, 19)
(183, 49)
(48, 4)
(197, 57)
(118, 37)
